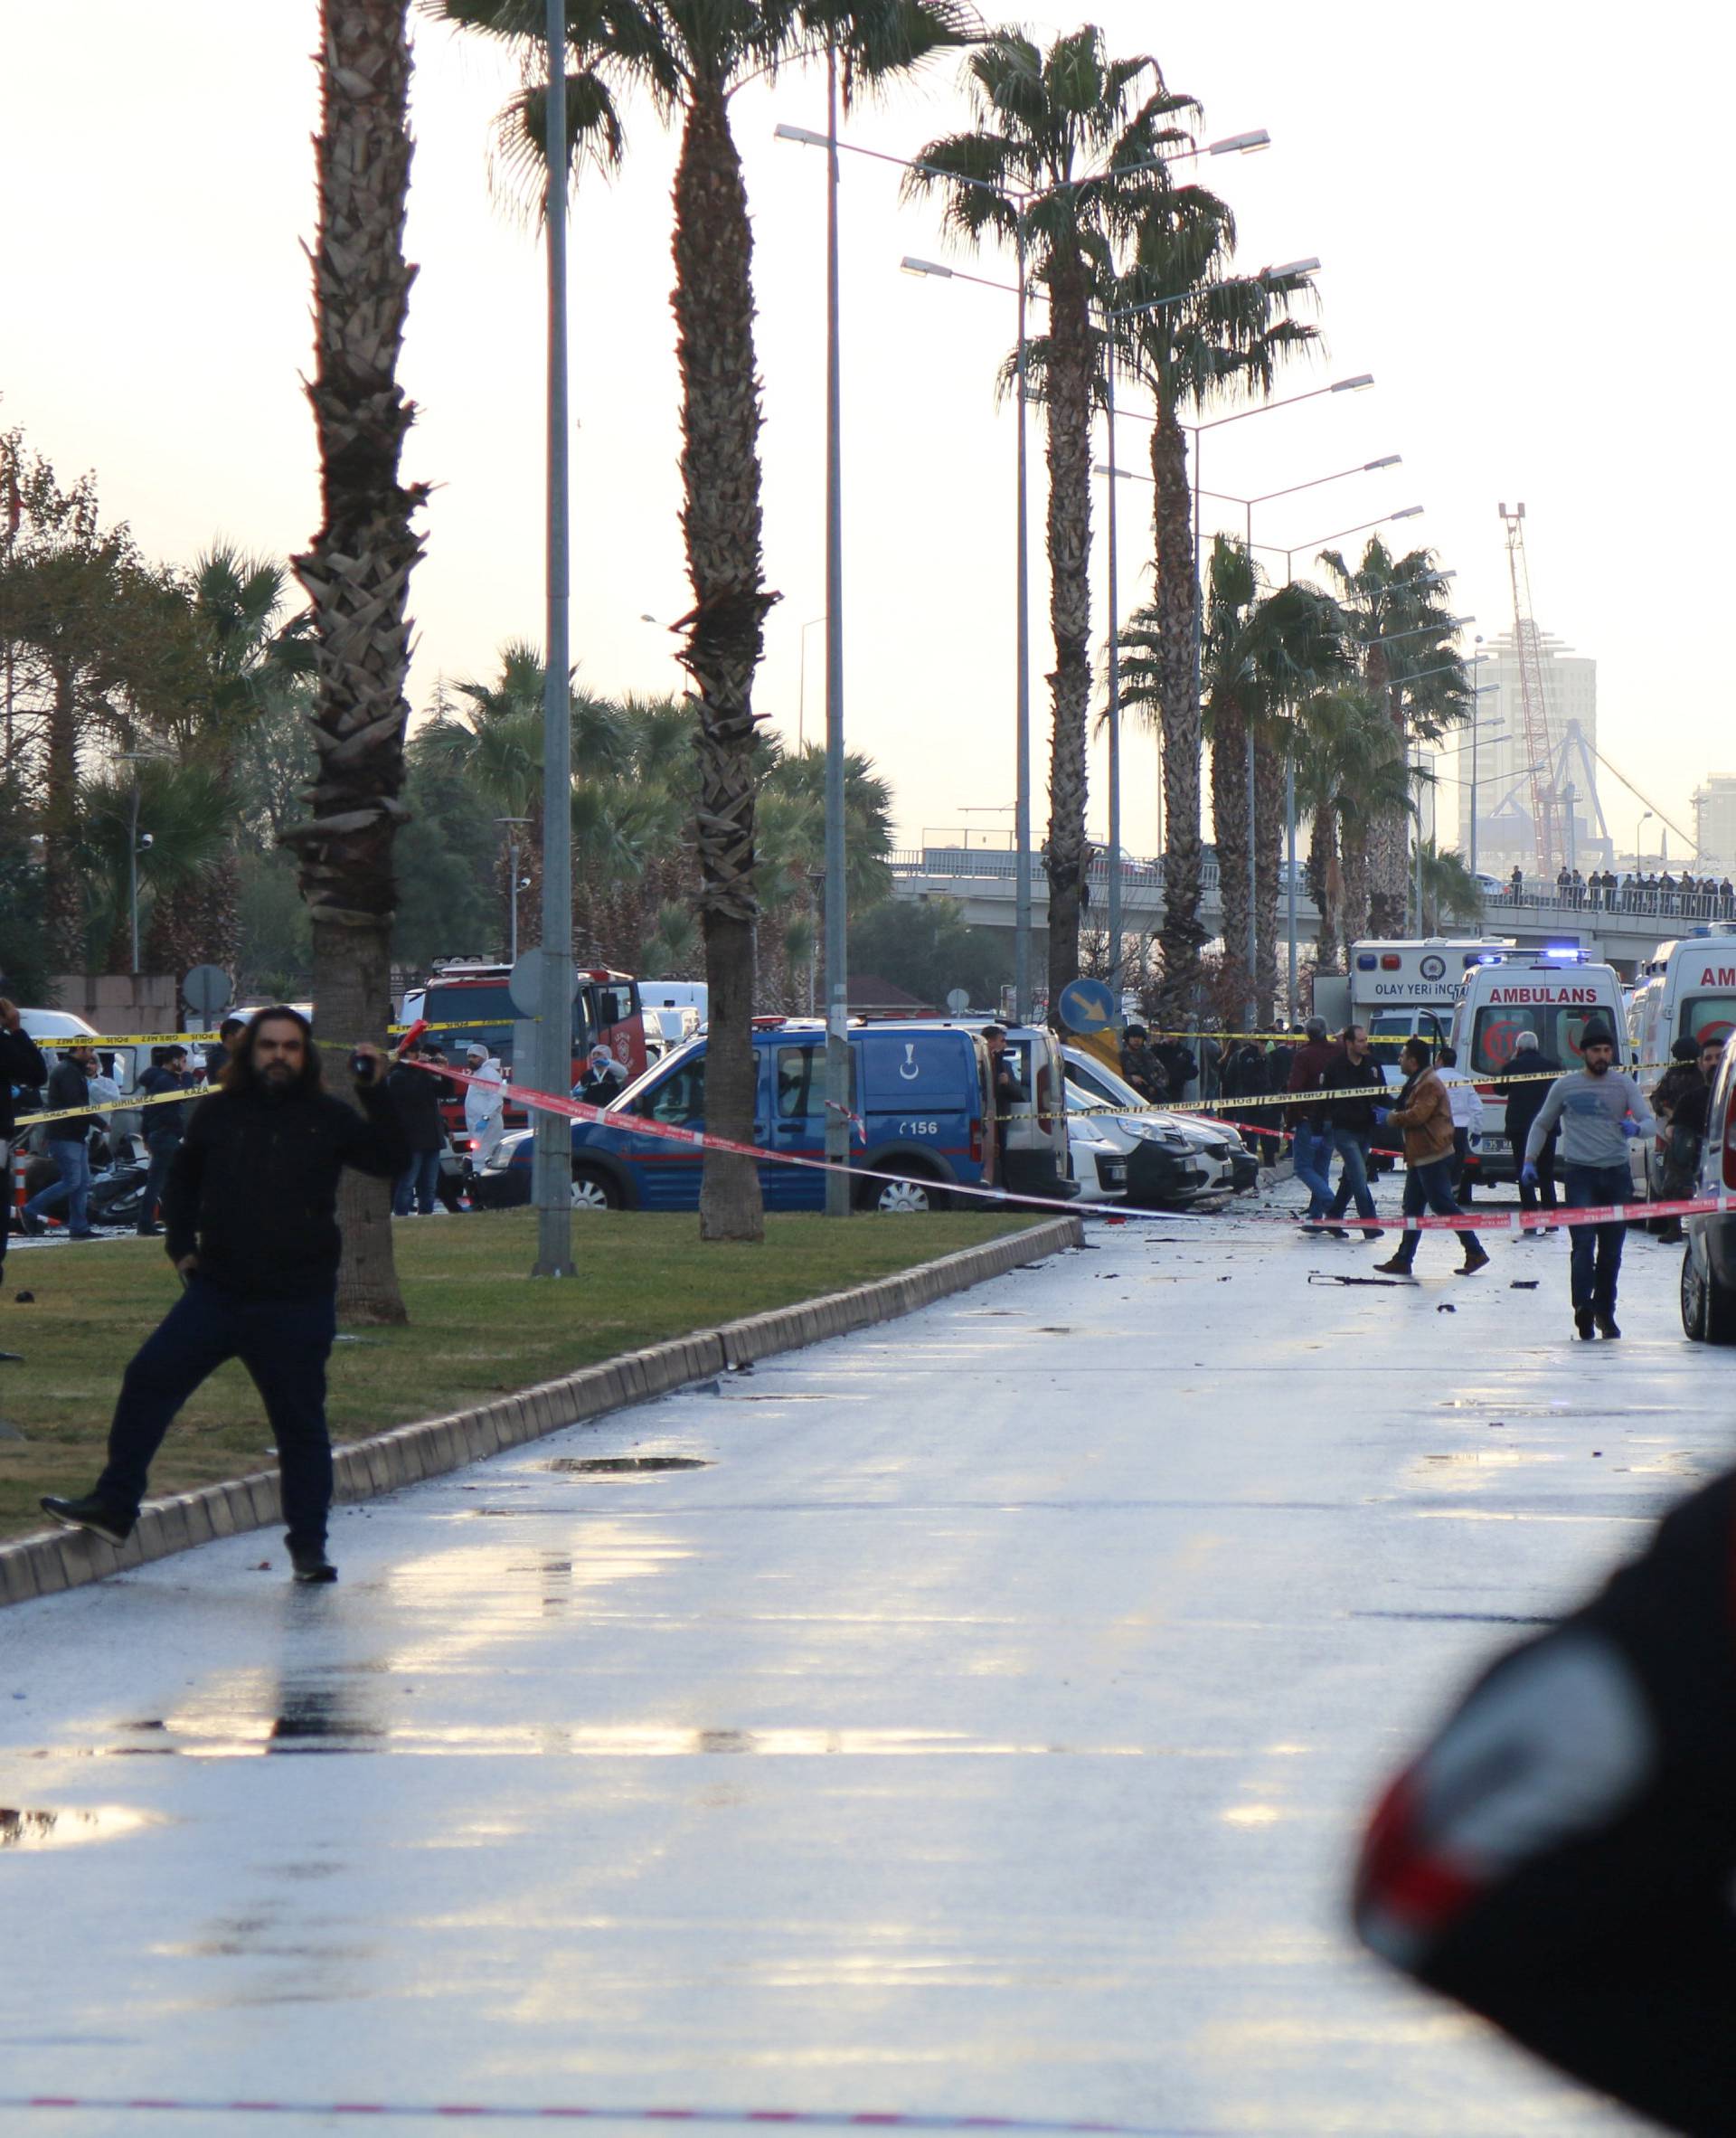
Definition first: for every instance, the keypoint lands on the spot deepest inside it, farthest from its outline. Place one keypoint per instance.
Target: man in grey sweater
(1598, 1108)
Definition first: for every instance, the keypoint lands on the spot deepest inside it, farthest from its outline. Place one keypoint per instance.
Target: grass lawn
(478, 1327)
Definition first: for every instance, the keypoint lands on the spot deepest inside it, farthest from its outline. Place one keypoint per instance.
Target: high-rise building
(1503, 793)
(1714, 823)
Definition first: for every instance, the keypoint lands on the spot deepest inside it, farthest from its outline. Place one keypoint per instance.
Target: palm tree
(691, 55)
(1194, 337)
(253, 659)
(357, 575)
(1397, 612)
(189, 813)
(1060, 160)
(1351, 770)
(1449, 891)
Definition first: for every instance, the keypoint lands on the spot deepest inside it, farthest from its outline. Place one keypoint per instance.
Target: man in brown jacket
(1425, 1113)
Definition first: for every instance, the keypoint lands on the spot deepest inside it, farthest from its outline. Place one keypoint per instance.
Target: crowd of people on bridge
(1682, 897)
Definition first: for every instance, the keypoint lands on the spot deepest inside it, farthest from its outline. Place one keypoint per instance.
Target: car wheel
(1693, 1299)
(592, 1190)
(913, 1197)
(1718, 1316)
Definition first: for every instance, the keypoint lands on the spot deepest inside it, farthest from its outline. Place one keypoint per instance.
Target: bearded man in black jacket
(250, 1215)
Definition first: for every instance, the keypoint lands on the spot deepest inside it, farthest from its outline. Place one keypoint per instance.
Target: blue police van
(920, 1096)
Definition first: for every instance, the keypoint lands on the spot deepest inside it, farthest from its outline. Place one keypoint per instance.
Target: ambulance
(1554, 993)
(1688, 992)
(1404, 987)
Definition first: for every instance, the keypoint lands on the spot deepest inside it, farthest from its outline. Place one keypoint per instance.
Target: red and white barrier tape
(812, 2119)
(697, 1139)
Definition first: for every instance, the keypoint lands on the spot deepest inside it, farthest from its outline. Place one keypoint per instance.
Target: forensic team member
(251, 1212)
(1599, 1108)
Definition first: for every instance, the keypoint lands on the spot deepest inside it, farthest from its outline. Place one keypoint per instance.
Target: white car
(1181, 1156)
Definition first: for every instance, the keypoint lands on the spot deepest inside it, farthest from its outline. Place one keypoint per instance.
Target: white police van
(1553, 994)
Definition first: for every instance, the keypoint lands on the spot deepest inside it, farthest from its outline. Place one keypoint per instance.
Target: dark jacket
(1308, 1065)
(67, 1087)
(1141, 1068)
(417, 1094)
(253, 1188)
(21, 1063)
(1525, 1101)
(1347, 1080)
(1676, 1081)
(165, 1120)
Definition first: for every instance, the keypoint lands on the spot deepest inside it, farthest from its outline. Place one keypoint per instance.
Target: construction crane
(1552, 844)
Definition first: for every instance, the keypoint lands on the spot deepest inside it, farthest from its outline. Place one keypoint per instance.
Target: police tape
(97, 1041)
(133, 1105)
(700, 1139)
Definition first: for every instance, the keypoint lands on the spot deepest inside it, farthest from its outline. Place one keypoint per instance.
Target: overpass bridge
(981, 880)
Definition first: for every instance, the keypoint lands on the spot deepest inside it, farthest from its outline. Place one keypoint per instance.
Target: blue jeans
(1596, 1248)
(72, 1187)
(1428, 1188)
(283, 1343)
(417, 1182)
(1311, 1155)
(162, 1147)
(1353, 1148)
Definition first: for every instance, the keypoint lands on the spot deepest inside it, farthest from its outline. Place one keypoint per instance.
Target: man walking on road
(69, 1144)
(252, 1215)
(1350, 1080)
(21, 1063)
(1311, 1143)
(1425, 1116)
(1525, 1099)
(1599, 1108)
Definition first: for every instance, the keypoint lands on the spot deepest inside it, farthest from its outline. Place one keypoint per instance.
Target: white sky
(1532, 286)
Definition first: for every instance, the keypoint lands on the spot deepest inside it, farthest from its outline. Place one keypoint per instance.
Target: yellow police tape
(98, 1040)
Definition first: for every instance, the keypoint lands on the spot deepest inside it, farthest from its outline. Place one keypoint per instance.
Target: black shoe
(88, 1513)
(1374, 1232)
(1395, 1266)
(311, 1565)
(1607, 1325)
(1338, 1232)
(32, 1227)
(1582, 1322)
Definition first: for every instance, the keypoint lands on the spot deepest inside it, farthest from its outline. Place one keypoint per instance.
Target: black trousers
(284, 1344)
(1559, 1858)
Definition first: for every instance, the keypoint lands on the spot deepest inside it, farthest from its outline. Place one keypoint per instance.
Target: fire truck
(468, 1004)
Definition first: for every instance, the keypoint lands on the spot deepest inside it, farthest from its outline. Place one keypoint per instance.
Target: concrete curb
(58, 1559)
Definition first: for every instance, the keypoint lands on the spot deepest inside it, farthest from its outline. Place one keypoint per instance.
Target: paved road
(982, 1728)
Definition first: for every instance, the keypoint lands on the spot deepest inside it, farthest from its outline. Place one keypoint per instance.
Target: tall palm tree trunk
(357, 575)
(1269, 841)
(1325, 887)
(1177, 603)
(1389, 903)
(1230, 835)
(1353, 921)
(1068, 442)
(719, 464)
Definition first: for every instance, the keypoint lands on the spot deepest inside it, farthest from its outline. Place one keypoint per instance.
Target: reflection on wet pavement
(971, 1720)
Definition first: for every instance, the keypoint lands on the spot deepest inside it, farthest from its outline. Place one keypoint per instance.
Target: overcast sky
(1527, 283)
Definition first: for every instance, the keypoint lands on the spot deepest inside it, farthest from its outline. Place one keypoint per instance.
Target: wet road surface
(977, 1720)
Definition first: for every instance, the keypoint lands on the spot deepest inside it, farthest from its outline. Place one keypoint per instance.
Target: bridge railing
(1631, 901)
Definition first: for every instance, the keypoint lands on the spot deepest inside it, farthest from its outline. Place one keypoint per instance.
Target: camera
(359, 1067)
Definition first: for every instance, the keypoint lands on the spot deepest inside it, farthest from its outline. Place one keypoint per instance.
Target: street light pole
(1022, 641)
(837, 984)
(1115, 701)
(551, 1152)
(510, 825)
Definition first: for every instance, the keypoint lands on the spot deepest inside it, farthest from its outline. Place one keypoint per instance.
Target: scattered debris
(1385, 1283)
(24, 1299)
(12, 1358)
(1523, 1284)
(1445, 1308)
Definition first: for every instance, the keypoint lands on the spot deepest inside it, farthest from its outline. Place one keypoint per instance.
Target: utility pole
(551, 1153)
(838, 981)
